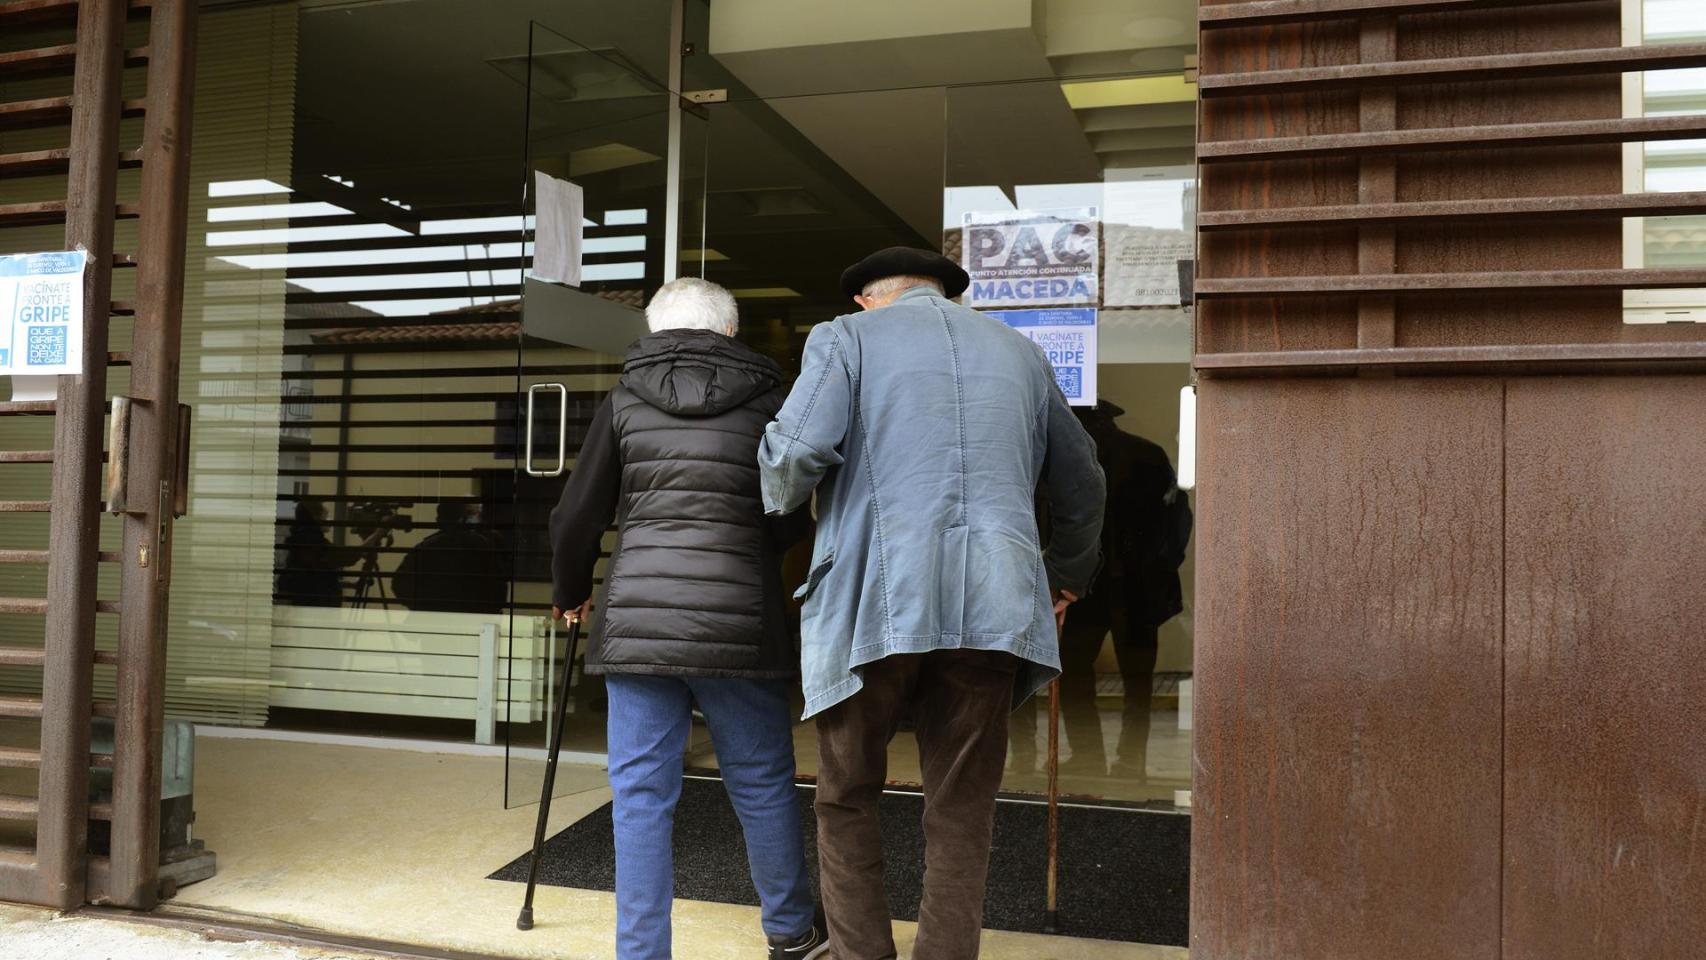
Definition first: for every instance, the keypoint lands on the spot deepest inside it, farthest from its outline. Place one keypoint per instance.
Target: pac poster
(1031, 258)
(1068, 337)
(41, 313)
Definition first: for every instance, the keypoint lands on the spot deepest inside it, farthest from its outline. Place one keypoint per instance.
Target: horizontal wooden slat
(26, 456)
(20, 758)
(107, 657)
(37, 60)
(1295, 11)
(1550, 134)
(1513, 208)
(45, 162)
(51, 112)
(24, 556)
(20, 13)
(18, 808)
(100, 811)
(27, 408)
(35, 605)
(25, 506)
(1423, 282)
(1439, 356)
(50, 212)
(12, 705)
(104, 708)
(22, 656)
(55, 59)
(1508, 66)
(34, 163)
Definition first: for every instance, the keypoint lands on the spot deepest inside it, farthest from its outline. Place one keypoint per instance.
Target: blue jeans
(751, 724)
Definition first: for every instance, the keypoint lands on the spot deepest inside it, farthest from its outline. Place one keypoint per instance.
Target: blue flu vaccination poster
(1068, 337)
(41, 313)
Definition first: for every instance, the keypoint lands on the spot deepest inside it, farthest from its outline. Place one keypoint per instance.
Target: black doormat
(1124, 875)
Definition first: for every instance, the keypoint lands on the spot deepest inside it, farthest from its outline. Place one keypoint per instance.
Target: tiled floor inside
(395, 845)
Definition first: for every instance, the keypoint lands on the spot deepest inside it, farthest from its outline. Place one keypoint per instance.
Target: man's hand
(1062, 600)
(574, 616)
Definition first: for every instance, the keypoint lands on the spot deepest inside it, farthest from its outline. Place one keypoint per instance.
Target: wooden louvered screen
(93, 147)
(1445, 670)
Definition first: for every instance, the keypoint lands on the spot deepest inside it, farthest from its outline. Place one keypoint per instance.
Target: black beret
(905, 262)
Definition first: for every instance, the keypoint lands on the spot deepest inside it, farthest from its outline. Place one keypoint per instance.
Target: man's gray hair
(693, 304)
(897, 285)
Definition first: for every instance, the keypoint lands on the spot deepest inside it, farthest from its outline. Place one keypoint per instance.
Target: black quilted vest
(694, 585)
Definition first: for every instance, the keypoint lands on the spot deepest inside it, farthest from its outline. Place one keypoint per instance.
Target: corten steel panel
(1348, 701)
(1605, 777)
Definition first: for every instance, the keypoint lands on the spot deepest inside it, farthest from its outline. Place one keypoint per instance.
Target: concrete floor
(394, 845)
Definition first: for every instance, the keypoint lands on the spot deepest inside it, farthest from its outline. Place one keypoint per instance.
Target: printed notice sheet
(41, 301)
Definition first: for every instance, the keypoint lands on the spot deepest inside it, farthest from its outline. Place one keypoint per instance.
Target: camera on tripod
(371, 516)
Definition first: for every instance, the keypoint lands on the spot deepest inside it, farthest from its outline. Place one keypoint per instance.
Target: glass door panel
(1090, 217)
(596, 202)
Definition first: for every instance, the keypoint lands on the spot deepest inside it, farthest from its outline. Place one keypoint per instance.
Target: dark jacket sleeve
(1077, 495)
(587, 507)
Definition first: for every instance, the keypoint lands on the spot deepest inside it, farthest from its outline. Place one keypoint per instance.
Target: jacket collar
(916, 293)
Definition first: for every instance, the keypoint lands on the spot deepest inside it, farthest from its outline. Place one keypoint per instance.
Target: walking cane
(525, 921)
(1051, 915)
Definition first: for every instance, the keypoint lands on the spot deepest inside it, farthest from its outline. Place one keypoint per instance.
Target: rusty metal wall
(1346, 797)
(1446, 679)
(1605, 669)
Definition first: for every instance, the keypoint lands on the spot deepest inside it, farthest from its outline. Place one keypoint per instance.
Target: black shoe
(810, 945)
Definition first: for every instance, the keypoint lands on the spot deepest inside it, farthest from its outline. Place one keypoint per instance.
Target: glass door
(1091, 222)
(596, 201)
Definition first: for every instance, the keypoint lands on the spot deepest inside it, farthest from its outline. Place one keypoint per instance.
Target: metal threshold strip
(240, 928)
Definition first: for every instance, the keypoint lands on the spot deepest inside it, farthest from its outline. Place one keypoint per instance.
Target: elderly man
(692, 609)
(925, 427)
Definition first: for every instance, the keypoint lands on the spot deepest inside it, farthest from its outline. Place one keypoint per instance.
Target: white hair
(897, 285)
(693, 304)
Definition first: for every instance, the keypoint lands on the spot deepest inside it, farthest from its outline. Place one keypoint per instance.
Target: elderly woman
(692, 609)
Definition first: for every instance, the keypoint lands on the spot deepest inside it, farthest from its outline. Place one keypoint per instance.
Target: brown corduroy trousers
(961, 700)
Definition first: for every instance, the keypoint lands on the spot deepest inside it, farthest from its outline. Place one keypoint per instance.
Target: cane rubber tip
(525, 921)
(1051, 922)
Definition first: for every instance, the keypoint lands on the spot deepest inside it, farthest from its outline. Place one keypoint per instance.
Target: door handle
(562, 429)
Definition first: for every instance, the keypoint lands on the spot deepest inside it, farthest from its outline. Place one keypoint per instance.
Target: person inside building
(924, 429)
(457, 569)
(313, 570)
(692, 611)
(1146, 529)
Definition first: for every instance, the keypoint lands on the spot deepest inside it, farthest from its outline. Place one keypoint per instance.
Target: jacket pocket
(819, 570)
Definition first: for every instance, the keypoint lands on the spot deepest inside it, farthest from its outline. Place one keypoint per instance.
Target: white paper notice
(561, 210)
(41, 313)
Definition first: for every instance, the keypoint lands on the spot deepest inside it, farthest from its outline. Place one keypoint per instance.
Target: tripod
(525, 921)
(370, 582)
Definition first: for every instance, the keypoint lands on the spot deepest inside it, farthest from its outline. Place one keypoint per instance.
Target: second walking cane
(525, 921)
(1051, 913)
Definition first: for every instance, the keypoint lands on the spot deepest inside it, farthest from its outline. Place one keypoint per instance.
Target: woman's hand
(574, 616)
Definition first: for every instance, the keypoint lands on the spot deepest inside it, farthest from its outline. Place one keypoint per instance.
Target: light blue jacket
(925, 427)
